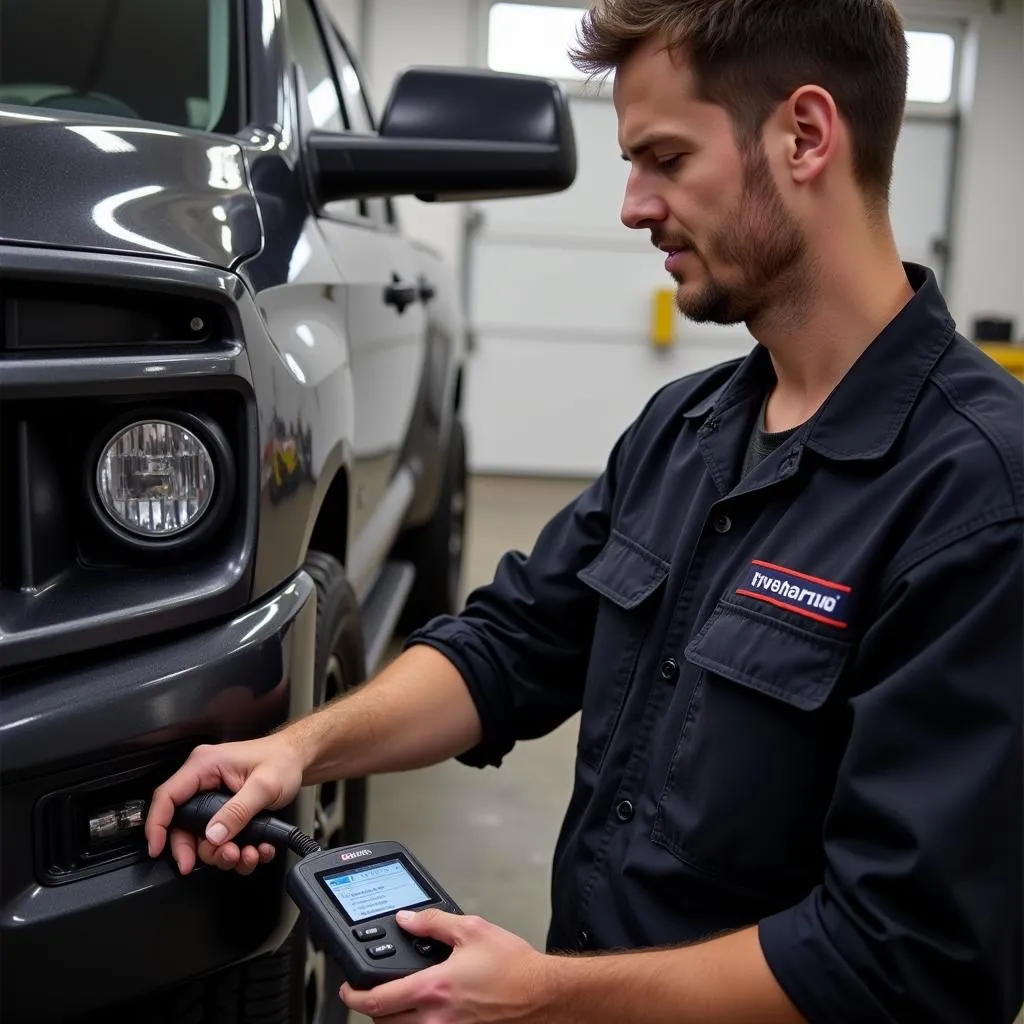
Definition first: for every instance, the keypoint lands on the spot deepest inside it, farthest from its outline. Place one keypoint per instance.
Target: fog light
(155, 479)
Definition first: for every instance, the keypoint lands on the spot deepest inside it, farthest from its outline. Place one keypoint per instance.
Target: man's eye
(669, 163)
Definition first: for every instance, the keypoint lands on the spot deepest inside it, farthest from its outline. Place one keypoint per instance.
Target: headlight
(155, 479)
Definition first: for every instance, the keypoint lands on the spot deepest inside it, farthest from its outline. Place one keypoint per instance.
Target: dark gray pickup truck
(233, 462)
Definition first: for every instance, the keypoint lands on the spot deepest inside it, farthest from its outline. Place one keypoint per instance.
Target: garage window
(932, 67)
(534, 39)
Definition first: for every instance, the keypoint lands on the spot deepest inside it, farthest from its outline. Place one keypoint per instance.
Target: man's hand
(491, 976)
(264, 773)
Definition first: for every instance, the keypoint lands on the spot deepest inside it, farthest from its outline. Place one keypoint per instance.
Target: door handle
(400, 295)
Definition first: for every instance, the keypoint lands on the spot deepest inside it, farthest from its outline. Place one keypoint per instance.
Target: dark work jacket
(801, 691)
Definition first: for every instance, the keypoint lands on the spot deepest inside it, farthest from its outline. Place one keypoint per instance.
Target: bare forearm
(717, 982)
(417, 712)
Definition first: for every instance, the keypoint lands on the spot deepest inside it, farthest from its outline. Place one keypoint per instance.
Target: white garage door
(560, 293)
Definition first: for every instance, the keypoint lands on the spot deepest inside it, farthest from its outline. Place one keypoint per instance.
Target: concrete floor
(489, 834)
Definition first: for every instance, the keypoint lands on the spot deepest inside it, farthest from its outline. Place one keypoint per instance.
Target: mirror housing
(454, 134)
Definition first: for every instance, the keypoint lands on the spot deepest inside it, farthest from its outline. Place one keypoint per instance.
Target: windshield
(170, 61)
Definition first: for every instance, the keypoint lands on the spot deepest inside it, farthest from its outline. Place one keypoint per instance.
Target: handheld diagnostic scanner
(350, 895)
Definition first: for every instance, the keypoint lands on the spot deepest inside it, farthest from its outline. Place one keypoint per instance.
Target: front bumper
(82, 940)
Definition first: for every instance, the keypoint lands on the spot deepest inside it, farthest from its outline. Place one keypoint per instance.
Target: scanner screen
(376, 890)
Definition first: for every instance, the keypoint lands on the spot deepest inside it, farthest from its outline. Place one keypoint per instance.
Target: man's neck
(836, 312)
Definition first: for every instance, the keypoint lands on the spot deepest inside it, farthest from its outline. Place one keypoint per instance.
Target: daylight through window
(932, 61)
(533, 39)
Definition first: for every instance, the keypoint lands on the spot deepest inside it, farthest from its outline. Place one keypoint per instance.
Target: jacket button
(670, 670)
(582, 938)
(722, 524)
(624, 811)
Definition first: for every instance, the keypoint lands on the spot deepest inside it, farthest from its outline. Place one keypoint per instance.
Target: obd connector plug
(195, 814)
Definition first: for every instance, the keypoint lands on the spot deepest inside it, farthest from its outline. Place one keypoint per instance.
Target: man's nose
(642, 207)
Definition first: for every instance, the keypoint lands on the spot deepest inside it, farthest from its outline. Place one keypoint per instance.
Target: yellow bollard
(663, 318)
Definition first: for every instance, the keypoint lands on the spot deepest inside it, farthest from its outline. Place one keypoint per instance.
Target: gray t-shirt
(762, 443)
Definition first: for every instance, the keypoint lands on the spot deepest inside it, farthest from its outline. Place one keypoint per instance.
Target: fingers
(248, 860)
(183, 850)
(256, 794)
(449, 928)
(261, 781)
(181, 786)
(419, 990)
(200, 771)
(186, 851)
(251, 857)
(228, 856)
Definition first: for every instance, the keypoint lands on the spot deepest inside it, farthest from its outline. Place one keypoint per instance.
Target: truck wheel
(340, 806)
(437, 547)
(340, 667)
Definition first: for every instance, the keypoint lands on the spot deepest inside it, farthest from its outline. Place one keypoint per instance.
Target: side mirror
(454, 134)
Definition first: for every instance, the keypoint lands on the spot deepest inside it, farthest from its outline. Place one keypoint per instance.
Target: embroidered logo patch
(810, 596)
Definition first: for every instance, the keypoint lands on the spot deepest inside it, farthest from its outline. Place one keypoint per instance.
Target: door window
(360, 113)
(173, 62)
(323, 101)
(356, 102)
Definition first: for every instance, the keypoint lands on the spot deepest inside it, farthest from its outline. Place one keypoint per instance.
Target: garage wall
(988, 222)
(560, 299)
(986, 272)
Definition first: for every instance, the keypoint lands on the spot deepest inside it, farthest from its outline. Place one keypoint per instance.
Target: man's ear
(811, 123)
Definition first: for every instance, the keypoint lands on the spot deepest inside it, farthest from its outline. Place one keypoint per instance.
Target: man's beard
(759, 237)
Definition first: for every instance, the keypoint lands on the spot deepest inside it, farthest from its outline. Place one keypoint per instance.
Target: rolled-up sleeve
(918, 916)
(522, 641)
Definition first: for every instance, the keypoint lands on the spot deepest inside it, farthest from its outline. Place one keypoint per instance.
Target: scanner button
(425, 947)
(381, 950)
(375, 931)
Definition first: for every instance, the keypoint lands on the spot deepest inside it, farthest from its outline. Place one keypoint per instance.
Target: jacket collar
(865, 413)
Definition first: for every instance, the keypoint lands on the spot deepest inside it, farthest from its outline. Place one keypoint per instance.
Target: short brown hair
(748, 56)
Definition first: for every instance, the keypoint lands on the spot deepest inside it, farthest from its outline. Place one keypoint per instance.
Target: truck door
(385, 317)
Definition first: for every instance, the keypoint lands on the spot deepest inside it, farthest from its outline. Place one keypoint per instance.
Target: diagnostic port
(98, 824)
(117, 823)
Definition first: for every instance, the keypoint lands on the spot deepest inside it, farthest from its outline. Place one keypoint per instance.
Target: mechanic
(790, 609)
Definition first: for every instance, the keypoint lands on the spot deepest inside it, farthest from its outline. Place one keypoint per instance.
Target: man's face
(731, 244)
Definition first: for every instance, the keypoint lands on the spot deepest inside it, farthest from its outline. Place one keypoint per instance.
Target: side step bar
(382, 608)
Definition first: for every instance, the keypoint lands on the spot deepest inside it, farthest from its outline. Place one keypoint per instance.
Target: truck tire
(340, 806)
(340, 667)
(437, 548)
(298, 983)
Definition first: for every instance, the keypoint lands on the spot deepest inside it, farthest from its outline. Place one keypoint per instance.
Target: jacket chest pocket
(627, 577)
(752, 771)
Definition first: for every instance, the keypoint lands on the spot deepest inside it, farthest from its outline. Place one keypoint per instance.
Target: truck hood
(120, 186)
